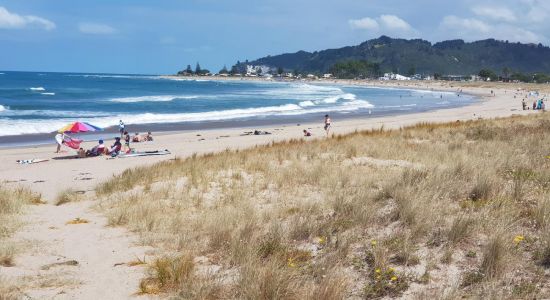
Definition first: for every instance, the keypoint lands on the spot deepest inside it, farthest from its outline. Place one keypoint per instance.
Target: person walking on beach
(60, 139)
(121, 128)
(327, 124)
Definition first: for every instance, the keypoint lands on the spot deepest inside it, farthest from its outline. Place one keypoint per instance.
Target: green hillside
(420, 56)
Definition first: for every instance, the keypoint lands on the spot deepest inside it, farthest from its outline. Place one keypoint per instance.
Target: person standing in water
(327, 124)
(121, 128)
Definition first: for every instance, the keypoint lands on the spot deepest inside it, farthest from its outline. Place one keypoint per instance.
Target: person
(136, 138)
(121, 128)
(126, 141)
(148, 137)
(307, 133)
(81, 153)
(96, 150)
(524, 104)
(534, 104)
(115, 148)
(60, 139)
(327, 124)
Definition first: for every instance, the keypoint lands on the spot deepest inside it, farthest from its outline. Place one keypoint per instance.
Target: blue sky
(161, 37)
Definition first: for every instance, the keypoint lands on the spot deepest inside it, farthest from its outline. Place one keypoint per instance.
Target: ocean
(40, 103)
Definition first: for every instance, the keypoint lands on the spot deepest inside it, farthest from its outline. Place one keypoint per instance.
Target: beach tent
(77, 127)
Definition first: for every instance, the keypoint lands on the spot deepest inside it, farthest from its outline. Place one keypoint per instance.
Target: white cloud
(364, 23)
(473, 29)
(460, 24)
(96, 28)
(394, 23)
(496, 13)
(9, 20)
(386, 24)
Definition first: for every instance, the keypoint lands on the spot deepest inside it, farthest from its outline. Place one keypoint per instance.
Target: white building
(391, 76)
(327, 76)
(253, 70)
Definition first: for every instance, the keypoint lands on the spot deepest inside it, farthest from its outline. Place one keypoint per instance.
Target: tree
(506, 72)
(259, 71)
(280, 70)
(189, 70)
(487, 74)
(412, 71)
(234, 70)
(437, 76)
(224, 70)
(198, 69)
(355, 69)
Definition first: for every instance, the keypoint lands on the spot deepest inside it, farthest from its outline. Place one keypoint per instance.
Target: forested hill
(419, 56)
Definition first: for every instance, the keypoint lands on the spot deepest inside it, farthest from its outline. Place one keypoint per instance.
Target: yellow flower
(518, 239)
(391, 270)
(377, 271)
(373, 243)
(394, 278)
(291, 263)
(322, 240)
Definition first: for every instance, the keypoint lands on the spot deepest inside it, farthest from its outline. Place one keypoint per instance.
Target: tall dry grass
(12, 202)
(370, 214)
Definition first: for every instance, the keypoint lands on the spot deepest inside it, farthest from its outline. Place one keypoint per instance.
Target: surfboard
(144, 153)
(30, 161)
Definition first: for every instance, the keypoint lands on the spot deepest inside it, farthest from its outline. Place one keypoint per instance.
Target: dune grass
(12, 202)
(430, 210)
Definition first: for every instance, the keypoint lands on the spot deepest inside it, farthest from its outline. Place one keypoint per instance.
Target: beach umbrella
(77, 127)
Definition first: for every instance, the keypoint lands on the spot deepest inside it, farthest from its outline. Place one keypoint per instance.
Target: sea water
(38, 102)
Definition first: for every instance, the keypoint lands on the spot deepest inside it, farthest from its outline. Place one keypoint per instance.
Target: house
(391, 76)
(327, 76)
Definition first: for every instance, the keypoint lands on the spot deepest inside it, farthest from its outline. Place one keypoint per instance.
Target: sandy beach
(62, 172)
(100, 250)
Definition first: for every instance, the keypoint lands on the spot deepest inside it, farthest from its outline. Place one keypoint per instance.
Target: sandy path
(93, 246)
(98, 248)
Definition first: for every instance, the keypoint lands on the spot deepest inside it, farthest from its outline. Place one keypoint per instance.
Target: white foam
(37, 88)
(48, 94)
(3, 108)
(157, 98)
(306, 103)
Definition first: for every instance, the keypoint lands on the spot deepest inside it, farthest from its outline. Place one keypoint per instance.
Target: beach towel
(72, 143)
(144, 153)
(30, 161)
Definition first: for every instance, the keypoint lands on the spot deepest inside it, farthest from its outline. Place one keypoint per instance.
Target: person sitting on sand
(148, 137)
(524, 104)
(115, 148)
(327, 124)
(81, 153)
(96, 150)
(307, 133)
(136, 138)
(534, 104)
(126, 141)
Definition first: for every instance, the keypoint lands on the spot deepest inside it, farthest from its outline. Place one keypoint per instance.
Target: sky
(163, 36)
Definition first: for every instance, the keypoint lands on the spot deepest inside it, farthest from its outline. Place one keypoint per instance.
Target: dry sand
(98, 248)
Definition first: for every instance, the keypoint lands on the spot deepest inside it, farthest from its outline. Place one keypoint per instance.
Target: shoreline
(43, 139)
(61, 172)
